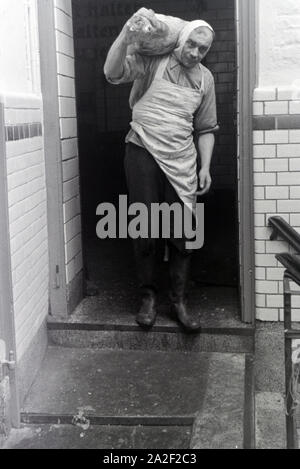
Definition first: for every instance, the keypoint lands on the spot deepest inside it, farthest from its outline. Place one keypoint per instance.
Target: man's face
(196, 47)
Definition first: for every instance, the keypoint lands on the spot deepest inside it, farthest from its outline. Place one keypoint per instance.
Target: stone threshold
(58, 325)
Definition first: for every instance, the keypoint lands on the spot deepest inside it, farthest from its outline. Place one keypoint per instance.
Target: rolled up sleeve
(135, 67)
(205, 119)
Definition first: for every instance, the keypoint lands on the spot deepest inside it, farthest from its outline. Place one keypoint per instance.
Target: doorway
(103, 121)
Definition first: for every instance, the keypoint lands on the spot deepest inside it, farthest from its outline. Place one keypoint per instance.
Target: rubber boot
(145, 261)
(179, 266)
(147, 314)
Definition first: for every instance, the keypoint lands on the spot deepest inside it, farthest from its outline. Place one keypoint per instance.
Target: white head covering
(185, 34)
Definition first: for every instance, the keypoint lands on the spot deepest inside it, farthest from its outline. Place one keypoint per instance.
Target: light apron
(163, 119)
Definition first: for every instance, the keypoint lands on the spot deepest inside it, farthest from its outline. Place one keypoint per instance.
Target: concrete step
(83, 335)
(99, 322)
(147, 389)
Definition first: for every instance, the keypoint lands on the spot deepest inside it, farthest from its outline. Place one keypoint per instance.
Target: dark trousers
(148, 184)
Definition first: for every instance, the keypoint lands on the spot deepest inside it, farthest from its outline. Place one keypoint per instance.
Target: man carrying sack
(173, 101)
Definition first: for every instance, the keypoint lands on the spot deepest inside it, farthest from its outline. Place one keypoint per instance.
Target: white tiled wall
(277, 183)
(27, 221)
(68, 133)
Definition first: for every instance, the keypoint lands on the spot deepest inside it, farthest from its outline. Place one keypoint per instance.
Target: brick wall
(27, 215)
(68, 133)
(222, 62)
(276, 179)
(96, 24)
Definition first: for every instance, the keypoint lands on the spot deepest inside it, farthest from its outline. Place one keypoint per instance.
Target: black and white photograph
(149, 227)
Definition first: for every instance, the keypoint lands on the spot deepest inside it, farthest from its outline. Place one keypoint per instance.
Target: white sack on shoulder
(156, 37)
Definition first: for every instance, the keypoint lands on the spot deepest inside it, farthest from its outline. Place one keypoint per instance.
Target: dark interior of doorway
(103, 120)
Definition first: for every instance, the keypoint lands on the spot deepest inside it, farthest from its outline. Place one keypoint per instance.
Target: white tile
(19, 178)
(260, 247)
(285, 93)
(64, 44)
(65, 65)
(294, 164)
(295, 302)
(275, 193)
(295, 219)
(258, 109)
(259, 219)
(292, 206)
(260, 273)
(259, 193)
(295, 193)
(63, 22)
(23, 101)
(276, 165)
(71, 208)
(291, 150)
(264, 151)
(275, 273)
(267, 314)
(258, 137)
(288, 179)
(69, 148)
(262, 233)
(70, 189)
(258, 165)
(70, 169)
(295, 107)
(275, 301)
(72, 228)
(66, 86)
(67, 107)
(276, 107)
(70, 271)
(264, 179)
(276, 136)
(73, 247)
(21, 162)
(264, 94)
(265, 206)
(275, 247)
(260, 300)
(25, 191)
(294, 136)
(65, 5)
(265, 260)
(21, 147)
(68, 128)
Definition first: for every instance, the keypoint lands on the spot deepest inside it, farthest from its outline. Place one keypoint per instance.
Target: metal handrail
(290, 334)
(282, 229)
(292, 274)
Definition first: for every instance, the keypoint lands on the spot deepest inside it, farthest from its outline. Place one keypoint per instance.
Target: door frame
(53, 159)
(246, 12)
(7, 322)
(246, 55)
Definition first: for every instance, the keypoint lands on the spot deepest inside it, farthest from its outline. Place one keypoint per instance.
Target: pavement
(103, 398)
